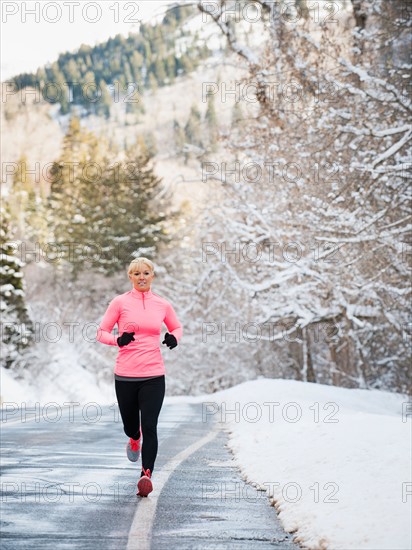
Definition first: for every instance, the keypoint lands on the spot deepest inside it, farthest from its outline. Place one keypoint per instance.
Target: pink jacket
(142, 313)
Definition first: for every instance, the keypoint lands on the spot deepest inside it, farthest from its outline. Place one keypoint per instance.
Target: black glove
(125, 339)
(170, 341)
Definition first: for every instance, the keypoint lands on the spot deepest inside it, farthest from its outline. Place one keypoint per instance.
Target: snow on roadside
(336, 462)
(12, 390)
(59, 377)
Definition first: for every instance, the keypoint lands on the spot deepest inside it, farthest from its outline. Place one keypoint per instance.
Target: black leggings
(145, 396)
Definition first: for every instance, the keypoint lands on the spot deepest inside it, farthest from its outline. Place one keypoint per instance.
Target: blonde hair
(138, 261)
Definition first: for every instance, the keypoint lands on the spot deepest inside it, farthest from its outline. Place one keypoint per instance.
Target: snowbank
(12, 390)
(335, 461)
(63, 380)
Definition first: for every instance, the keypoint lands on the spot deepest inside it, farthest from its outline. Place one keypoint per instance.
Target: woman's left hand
(170, 341)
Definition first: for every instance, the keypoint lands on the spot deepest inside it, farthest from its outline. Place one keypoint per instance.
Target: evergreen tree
(27, 205)
(211, 121)
(130, 223)
(127, 72)
(36, 226)
(41, 77)
(101, 221)
(179, 136)
(136, 64)
(193, 131)
(159, 71)
(21, 187)
(153, 85)
(171, 68)
(115, 66)
(90, 92)
(70, 177)
(186, 64)
(103, 106)
(147, 52)
(135, 107)
(237, 114)
(72, 71)
(60, 91)
(16, 326)
(149, 139)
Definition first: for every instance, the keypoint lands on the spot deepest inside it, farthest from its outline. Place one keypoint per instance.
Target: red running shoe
(144, 485)
(133, 448)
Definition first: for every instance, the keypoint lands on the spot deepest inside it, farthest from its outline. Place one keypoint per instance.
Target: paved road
(67, 484)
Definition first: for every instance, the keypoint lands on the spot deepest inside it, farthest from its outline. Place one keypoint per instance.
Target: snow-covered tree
(328, 199)
(16, 326)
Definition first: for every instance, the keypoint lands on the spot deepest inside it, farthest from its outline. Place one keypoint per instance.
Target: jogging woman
(139, 373)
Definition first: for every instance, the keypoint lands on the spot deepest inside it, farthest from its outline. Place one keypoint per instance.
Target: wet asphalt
(66, 484)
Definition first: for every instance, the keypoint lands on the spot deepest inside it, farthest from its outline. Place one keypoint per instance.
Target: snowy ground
(336, 462)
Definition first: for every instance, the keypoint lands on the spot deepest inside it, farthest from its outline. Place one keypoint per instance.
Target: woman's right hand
(125, 339)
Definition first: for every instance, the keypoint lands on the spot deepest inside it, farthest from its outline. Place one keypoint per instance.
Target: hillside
(92, 77)
(35, 129)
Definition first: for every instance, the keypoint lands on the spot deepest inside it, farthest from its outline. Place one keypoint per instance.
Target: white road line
(141, 528)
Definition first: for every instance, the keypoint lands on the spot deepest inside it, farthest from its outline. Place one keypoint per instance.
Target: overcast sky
(29, 40)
